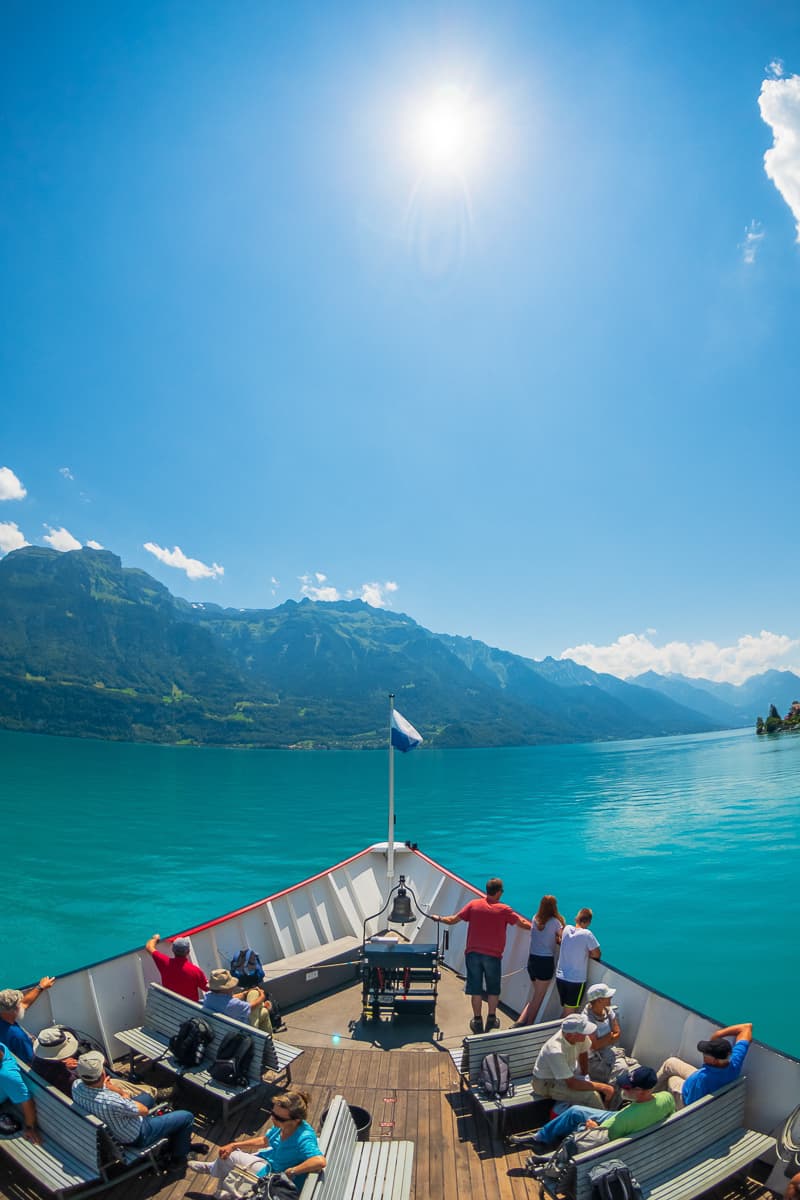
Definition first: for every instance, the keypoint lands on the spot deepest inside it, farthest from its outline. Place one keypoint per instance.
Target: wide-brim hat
(222, 981)
(55, 1043)
(600, 991)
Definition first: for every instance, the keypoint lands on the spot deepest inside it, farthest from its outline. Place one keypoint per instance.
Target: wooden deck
(411, 1092)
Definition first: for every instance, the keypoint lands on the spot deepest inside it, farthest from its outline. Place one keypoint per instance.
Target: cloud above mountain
(194, 568)
(61, 539)
(11, 537)
(634, 653)
(779, 103)
(316, 586)
(11, 487)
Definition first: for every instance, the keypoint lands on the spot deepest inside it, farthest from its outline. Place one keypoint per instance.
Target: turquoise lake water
(686, 848)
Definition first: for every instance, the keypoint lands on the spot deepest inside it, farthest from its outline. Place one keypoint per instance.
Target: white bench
(164, 1014)
(521, 1047)
(687, 1154)
(77, 1151)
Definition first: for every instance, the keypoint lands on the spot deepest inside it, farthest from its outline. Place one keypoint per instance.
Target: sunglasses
(280, 1120)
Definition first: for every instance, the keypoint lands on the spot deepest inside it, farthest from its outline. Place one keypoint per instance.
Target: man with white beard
(13, 1006)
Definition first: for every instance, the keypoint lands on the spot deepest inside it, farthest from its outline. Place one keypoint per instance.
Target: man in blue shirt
(13, 1006)
(722, 1063)
(14, 1090)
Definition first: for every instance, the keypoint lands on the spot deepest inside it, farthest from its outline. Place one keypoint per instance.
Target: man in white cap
(177, 973)
(560, 1072)
(128, 1119)
(13, 1006)
(225, 996)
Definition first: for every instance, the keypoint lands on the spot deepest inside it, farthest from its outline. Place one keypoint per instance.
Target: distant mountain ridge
(727, 703)
(89, 647)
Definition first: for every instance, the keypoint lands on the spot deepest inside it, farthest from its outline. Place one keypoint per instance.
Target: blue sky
(547, 388)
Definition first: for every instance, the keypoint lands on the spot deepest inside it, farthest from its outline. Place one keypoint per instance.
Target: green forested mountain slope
(91, 648)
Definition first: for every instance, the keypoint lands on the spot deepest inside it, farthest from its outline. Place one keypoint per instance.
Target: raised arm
(35, 992)
(151, 943)
(742, 1033)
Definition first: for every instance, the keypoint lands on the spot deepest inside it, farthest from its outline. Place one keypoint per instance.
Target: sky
(482, 312)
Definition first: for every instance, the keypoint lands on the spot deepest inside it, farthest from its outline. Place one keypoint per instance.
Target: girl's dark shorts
(541, 966)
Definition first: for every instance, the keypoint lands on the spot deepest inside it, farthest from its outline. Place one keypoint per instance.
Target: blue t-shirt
(228, 1005)
(282, 1153)
(18, 1041)
(711, 1079)
(12, 1086)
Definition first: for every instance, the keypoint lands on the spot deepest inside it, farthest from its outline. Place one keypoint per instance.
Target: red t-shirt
(488, 923)
(180, 975)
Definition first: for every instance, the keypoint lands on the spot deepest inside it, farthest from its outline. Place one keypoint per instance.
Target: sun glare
(446, 132)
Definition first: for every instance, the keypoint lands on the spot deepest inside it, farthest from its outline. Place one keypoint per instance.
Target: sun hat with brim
(577, 1023)
(222, 981)
(55, 1043)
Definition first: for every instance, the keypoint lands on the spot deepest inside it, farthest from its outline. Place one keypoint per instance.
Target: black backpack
(612, 1180)
(495, 1076)
(189, 1044)
(233, 1059)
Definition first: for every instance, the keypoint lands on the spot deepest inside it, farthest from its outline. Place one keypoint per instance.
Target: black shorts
(570, 994)
(541, 966)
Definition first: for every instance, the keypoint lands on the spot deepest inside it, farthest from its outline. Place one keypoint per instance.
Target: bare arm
(588, 1085)
(151, 943)
(595, 953)
(446, 920)
(253, 1143)
(523, 923)
(309, 1166)
(742, 1033)
(35, 992)
(29, 1113)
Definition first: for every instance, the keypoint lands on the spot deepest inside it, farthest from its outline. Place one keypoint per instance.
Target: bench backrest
(673, 1141)
(520, 1046)
(165, 1012)
(63, 1122)
(337, 1141)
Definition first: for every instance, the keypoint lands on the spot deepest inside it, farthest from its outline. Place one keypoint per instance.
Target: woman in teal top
(288, 1145)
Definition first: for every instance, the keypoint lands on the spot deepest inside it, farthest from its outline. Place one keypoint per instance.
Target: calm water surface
(686, 848)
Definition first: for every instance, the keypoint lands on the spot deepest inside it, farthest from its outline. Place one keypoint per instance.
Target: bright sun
(446, 131)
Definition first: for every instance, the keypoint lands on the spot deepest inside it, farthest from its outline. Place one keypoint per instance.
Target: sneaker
(520, 1140)
(492, 1022)
(202, 1168)
(476, 1025)
(537, 1160)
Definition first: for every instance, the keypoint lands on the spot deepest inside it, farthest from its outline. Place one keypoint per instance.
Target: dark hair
(295, 1102)
(493, 886)
(584, 917)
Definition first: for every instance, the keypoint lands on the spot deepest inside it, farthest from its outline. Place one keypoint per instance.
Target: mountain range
(91, 648)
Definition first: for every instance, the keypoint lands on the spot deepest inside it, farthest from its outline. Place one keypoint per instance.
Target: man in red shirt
(177, 973)
(488, 921)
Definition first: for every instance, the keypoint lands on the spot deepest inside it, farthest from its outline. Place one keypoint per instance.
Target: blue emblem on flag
(404, 735)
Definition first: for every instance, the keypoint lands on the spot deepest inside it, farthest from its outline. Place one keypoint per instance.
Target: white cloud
(94, 545)
(316, 591)
(61, 539)
(753, 236)
(10, 487)
(11, 537)
(779, 103)
(377, 594)
(65, 471)
(192, 566)
(315, 585)
(634, 653)
(776, 68)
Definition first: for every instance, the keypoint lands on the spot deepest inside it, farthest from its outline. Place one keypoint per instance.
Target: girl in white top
(546, 929)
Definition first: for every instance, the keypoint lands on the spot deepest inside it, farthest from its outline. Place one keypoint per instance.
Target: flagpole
(390, 856)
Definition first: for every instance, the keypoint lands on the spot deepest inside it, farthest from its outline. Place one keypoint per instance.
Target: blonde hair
(584, 917)
(295, 1102)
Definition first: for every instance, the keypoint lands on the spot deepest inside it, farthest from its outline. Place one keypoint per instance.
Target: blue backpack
(247, 968)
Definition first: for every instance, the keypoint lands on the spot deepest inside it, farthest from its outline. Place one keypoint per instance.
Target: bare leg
(476, 1005)
(492, 1002)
